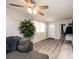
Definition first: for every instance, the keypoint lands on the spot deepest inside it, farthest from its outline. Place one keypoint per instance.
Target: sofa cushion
(10, 44)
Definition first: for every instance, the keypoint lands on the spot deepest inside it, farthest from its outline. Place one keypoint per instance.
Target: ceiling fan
(31, 7)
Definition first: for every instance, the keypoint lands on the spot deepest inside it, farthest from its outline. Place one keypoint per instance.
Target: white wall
(12, 22)
(39, 36)
(12, 28)
(54, 28)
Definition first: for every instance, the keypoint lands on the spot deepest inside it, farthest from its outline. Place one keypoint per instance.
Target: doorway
(63, 30)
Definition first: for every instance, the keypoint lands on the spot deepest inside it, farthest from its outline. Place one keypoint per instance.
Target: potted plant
(27, 28)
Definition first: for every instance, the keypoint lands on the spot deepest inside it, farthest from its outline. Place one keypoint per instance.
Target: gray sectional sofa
(18, 49)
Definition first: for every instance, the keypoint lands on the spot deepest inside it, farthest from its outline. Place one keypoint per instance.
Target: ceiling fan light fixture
(31, 11)
(31, 7)
(34, 11)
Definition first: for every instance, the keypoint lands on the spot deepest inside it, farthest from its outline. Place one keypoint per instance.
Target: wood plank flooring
(54, 48)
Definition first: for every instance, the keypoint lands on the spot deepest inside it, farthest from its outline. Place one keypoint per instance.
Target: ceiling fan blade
(15, 5)
(43, 7)
(28, 1)
(40, 13)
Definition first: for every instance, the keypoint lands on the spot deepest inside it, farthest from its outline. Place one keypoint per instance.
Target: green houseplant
(27, 28)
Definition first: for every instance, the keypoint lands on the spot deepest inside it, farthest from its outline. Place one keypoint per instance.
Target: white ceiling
(58, 9)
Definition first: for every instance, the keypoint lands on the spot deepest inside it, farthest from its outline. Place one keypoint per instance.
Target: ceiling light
(31, 11)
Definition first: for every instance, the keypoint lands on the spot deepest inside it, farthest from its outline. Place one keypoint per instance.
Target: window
(40, 27)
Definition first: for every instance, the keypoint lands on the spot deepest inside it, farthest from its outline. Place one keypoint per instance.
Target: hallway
(55, 49)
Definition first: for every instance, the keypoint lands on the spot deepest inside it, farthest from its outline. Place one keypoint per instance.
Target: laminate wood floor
(55, 49)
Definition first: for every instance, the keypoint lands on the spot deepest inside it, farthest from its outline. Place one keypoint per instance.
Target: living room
(51, 28)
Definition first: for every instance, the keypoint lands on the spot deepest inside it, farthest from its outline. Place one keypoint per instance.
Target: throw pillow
(11, 44)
